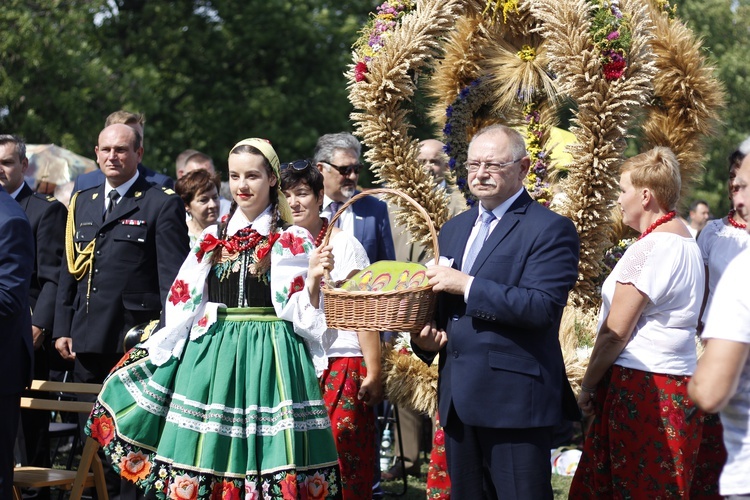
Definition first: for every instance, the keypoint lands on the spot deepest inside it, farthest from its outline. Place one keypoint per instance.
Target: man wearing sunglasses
(337, 158)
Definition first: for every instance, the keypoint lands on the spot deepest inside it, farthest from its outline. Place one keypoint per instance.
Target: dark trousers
(93, 368)
(512, 464)
(10, 411)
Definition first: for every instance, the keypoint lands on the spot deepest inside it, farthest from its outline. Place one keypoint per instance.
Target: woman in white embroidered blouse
(224, 400)
(351, 384)
(643, 436)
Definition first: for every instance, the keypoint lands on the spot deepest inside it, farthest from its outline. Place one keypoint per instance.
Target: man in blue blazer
(16, 265)
(502, 384)
(97, 177)
(337, 158)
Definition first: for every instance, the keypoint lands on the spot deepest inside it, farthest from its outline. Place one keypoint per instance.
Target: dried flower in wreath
(610, 32)
(373, 36)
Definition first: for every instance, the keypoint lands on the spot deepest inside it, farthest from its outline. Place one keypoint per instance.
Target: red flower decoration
(293, 243)
(440, 437)
(102, 430)
(614, 70)
(360, 70)
(315, 487)
(289, 487)
(297, 285)
(226, 490)
(203, 321)
(179, 292)
(135, 466)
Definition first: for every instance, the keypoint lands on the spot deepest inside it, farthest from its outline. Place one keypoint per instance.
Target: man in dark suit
(47, 218)
(16, 264)
(502, 384)
(97, 177)
(337, 158)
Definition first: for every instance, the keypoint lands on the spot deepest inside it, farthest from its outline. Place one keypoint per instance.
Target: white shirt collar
(327, 202)
(262, 223)
(15, 193)
(500, 210)
(123, 188)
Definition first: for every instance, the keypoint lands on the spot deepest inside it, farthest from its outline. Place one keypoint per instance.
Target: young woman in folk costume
(224, 400)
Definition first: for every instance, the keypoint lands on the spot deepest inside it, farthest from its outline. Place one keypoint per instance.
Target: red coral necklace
(321, 233)
(661, 220)
(730, 218)
(246, 239)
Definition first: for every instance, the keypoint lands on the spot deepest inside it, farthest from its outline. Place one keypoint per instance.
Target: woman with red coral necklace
(351, 383)
(720, 242)
(224, 402)
(643, 438)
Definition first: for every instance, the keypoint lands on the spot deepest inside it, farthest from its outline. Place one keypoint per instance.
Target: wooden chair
(90, 472)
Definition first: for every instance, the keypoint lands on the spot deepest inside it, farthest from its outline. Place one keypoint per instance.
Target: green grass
(415, 489)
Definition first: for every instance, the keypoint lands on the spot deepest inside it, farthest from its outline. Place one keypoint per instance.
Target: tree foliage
(724, 26)
(205, 73)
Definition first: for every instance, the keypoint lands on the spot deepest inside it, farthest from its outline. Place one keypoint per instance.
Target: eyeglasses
(296, 165)
(490, 167)
(345, 171)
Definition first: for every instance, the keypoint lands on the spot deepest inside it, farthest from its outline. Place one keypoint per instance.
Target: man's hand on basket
(447, 279)
(430, 339)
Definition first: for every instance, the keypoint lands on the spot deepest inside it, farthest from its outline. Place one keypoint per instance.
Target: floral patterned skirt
(438, 482)
(353, 424)
(643, 442)
(239, 414)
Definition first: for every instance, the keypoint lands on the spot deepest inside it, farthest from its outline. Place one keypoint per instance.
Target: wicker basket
(393, 311)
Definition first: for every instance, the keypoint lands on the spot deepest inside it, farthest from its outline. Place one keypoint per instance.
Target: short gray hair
(517, 144)
(14, 139)
(329, 143)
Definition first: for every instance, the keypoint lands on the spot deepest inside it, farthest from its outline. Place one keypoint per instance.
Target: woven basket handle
(369, 192)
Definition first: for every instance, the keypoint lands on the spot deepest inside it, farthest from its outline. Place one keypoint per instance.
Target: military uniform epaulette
(46, 197)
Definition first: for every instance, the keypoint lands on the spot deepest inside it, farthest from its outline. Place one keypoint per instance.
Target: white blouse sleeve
(290, 257)
(648, 265)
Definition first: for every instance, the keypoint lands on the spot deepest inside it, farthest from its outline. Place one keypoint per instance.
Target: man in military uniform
(125, 242)
(47, 218)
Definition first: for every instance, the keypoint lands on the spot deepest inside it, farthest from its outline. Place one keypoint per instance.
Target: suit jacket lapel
(463, 236)
(504, 226)
(93, 206)
(24, 196)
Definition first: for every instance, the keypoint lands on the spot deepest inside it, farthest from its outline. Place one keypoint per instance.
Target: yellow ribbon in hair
(264, 146)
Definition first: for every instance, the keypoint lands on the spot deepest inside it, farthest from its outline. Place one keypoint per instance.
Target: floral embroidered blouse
(275, 268)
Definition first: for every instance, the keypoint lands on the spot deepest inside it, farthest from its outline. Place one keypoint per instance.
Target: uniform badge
(168, 190)
(95, 195)
(138, 194)
(133, 222)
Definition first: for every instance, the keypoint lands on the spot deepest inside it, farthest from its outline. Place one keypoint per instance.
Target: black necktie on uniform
(113, 196)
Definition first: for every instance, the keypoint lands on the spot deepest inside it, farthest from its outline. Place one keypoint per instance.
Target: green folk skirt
(238, 415)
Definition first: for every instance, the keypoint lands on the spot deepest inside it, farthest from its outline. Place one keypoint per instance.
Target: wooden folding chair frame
(90, 471)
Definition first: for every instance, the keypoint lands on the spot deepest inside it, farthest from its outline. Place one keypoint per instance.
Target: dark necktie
(113, 197)
(335, 208)
(476, 245)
